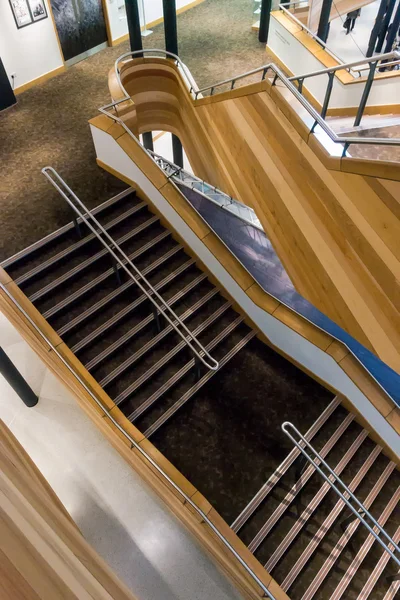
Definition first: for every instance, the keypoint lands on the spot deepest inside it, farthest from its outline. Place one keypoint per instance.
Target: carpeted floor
(49, 123)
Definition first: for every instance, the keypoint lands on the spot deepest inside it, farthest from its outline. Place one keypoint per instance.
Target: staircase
(227, 441)
(138, 359)
(303, 532)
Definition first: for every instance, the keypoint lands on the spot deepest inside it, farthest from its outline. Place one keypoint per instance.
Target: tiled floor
(353, 47)
(123, 520)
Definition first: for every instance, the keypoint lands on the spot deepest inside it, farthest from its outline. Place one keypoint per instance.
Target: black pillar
(15, 379)
(170, 26)
(7, 97)
(132, 16)
(385, 25)
(148, 141)
(265, 16)
(177, 151)
(394, 27)
(377, 27)
(324, 20)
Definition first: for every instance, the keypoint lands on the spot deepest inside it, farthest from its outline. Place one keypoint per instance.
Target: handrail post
(328, 94)
(367, 89)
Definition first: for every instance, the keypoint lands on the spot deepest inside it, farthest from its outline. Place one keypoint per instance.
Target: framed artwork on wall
(27, 12)
(38, 10)
(21, 12)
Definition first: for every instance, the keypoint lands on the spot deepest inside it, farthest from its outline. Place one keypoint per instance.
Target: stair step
(315, 502)
(282, 469)
(296, 488)
(155, 340)
(12, 264)
(365, 548)
(339, 547)
(89, 262)
(82, 291)
(108, 299)
(167, 357)
(75, 247)
(377, 573)
(295, 560)
(132, 332)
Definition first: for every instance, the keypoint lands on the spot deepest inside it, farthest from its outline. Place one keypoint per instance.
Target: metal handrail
(278, 74)
(284, 8)
(386, 64)
(140, 280)
(206, 189)
(143, 453)
(359, 513)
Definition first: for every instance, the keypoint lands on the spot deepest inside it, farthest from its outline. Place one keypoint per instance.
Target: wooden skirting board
(335, 235)
(39, 80)
(43, 555)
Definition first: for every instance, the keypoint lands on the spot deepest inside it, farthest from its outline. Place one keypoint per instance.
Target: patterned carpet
(49, 123)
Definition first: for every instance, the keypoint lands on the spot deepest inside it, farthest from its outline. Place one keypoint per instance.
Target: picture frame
(27, 12)
(38, 10)
(21, 12)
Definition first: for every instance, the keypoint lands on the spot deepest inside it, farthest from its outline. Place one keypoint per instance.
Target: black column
(148, 141)
(265, 16)
(377, 27)
(170, 26)
(324, 20)
(135, 33)
(394, 27)
(177, 151)
(15, 379)
(385, 25)
(7, 97)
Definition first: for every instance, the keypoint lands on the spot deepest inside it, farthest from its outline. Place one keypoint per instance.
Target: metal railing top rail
(151, 461)
(278, 74)
(373, 59)
(189, 180)
(285, 8)
(360, 512)
(122, 259)
(386, 64)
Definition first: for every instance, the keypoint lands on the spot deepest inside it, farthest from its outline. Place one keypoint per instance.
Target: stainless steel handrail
(373, 59)
(278, 74)
(116, 252)
(386, 64)
(284, 8)
(189, 180)
(359, 513)
(143, 453)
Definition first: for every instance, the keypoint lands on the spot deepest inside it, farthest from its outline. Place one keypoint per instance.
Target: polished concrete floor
(122, 518)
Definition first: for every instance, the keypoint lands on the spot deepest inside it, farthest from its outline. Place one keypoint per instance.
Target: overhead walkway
(332, 219)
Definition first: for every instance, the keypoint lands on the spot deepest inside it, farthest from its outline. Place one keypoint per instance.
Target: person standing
(350, 21)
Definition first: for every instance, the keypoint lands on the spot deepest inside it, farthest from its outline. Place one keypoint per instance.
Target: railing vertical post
(16, 381)
(157, 319)
(135, 33)
(324, 20)
(328, 94)
(265, 16)
(76, 224)
(170, 26)
(364, 97)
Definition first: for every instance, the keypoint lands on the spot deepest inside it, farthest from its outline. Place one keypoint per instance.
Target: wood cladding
(42, 553)
(333, 231)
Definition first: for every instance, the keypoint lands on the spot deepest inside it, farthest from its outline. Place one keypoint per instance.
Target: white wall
(29, 52)
(153, 10)
(299, 60)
